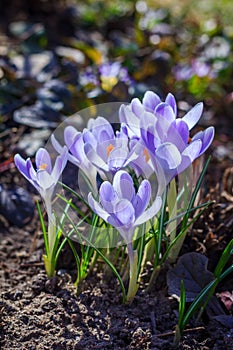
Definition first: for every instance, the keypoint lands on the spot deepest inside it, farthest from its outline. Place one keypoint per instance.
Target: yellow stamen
(43, 166)
(146, 154)
(189, 140)
(108, 83)
(109, 149)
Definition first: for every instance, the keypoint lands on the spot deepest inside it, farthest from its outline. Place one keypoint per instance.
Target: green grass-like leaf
(44, 231)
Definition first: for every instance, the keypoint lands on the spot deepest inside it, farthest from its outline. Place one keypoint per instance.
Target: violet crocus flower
(77, 156)
(109, 69)
(111, 73)
(165, 137)
(197, 67)
(45, 177)
(122, 207)
(132, 114)
(107, 151)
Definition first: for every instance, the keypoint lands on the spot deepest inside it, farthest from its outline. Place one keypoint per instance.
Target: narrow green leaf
(182, 304)
(43, 228)
(228, 251)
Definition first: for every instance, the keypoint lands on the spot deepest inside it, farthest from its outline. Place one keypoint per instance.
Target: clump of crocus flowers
(131, 179)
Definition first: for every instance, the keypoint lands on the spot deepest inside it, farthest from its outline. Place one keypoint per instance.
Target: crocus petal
(206, 137)
(117, 158)
(129, 121)
(43, 160)
(60, 164)
(150, 100)
(169, 154)
(142, 166)
(182, 130)
(142, 198)
(88, 137)
(191, 152)
(148, 130)
(150, 212)
(108, 196)
(124, 212)
(101, 129)
(178, 134)
(137, 107)
(45, 180)
(123, 184)
(171, 101)
(77, 149)
(94, 158)
(70, 135)
(56, 145)
(165, 111)
(115, 68)
(73, 159)
(27, 170)
(32, 172)
(23, 166)
(193, 149)
(96, 207)
(191, 118)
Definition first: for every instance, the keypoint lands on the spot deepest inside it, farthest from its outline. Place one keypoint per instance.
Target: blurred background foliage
(58, 57)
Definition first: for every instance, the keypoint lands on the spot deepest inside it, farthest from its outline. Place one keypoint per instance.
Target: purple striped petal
(88, 137)
(124, 212)
(59, 165)
(137, 107)
(150, 100)
(142, 198)
(33, 173)
(189, 155)
(178, 134)
(101, 129)
(117, 158)
(169, 155)
(171, 101)
(77, 149)
(108, 196)
(124, 186)
(130, 122)
(70, 135)
(206, 137)
(150, 212)
(165, 111)
(96, 207)
(182, 129)
(94, 158)
(149, 131)
(23, 166)
(193, 150)
(193, 116)
(43, 160)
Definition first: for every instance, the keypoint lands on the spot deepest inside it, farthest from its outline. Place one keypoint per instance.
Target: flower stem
(49, 266)
(133, 285)
(49, 258)
(52, 231)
